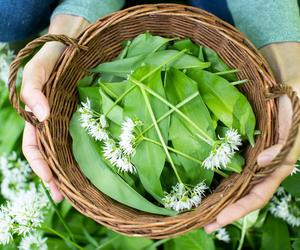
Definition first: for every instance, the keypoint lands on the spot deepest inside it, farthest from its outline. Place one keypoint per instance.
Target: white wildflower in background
(183, 198)
(116, 157)
(6, 57)
(94, 123)
(28, 209)
(222, 235)
(283, 206)
(221, 154)
(6, 226)
(15, 173)
(296, 169)
(33, 241)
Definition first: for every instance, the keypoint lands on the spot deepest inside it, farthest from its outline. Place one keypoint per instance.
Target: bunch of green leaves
(184, 95)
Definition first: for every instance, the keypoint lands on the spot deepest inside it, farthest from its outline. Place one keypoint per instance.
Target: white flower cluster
(15, 173)
(33, 241)
(6, 57)
(26, 204)
(222, 235)
(119, 154)
(283, 206)
(183, 198)
(223, 151)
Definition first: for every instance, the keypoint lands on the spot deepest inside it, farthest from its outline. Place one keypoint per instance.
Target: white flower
(233, 138)
(33, 241)
(224, 149)
(6, 57)
(283, 207)
(6, 225)
(295, 170)
(28, 209)
(222, 235)
(183, 198)
(116, 157)
(127, 137)
(94, 123)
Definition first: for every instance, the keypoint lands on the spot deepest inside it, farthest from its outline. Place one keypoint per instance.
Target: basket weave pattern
(102, 42)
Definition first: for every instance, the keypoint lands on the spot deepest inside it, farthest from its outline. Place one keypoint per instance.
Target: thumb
(266, 156)
(36, 73)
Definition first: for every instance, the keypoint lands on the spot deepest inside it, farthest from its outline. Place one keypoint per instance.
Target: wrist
(284, 60)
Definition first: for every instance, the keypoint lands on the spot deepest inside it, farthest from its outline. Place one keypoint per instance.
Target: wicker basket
(102, 42)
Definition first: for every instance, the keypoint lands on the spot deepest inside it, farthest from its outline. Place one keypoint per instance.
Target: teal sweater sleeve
(91, 10)
(267, 21)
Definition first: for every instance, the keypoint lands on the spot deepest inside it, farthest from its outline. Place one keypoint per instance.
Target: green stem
(243, 233)
(183, 155)
(227, 72)
(157, 244)
(107, 242)
(239, 82)
(58, 213)
(48, 229)
(119, 99)
(108, 91)
(171, 59)
(203, 135)
(159, 133)
(179, 105)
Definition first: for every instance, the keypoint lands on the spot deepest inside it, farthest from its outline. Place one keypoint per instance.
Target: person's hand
(283, 61)
(36, 73)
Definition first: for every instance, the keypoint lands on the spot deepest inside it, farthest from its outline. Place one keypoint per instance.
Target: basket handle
(275, 92)
(14, 96)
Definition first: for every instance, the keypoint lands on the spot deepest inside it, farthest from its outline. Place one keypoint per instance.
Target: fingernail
(39, 112)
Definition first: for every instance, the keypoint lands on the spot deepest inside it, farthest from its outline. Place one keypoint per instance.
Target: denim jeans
(21, 19)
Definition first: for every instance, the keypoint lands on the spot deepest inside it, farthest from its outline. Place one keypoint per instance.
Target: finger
(33, 155)
(55, 192)
(36, 161)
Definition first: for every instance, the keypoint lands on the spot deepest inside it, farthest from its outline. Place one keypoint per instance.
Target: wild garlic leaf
(88, 154)
(149, 158)
(217, 64)
(226, 102)
(187, 44)
(179, 87)
(195, 240)
(124, 67)
(275, 234)
(145, 43)
(91, 93)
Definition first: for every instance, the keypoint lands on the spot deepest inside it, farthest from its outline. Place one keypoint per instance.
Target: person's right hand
(36, 73)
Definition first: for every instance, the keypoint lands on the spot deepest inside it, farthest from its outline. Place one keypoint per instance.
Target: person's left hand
(260, 195)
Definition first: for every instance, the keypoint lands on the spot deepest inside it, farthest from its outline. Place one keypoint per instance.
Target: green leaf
(226, 102)
(88, 155)
(291, 184)
(11, 129)
(217, 64)
(179, 87)
(275, 235)
(124, 67)
(186, 44)
(195, 240)
(145, 43)
(92, 93)
(149, 158)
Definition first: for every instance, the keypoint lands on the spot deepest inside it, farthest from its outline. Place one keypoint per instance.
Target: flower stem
(184, 155)
(227, 72)
(50, 230)
(203, 135)
(143, 78)
(179, 105)
(58, 213)
(239, 82)
(159, 133)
